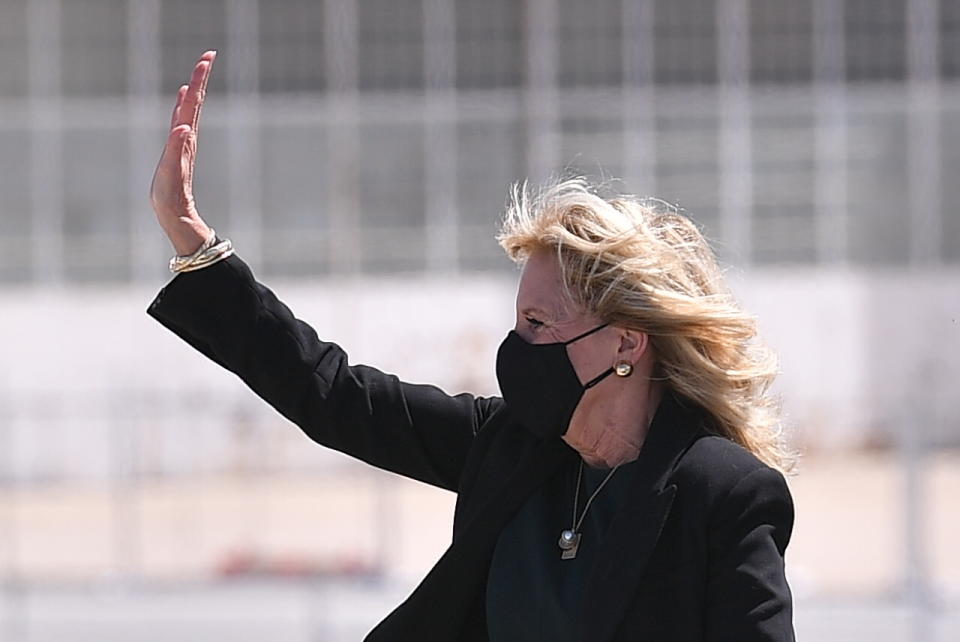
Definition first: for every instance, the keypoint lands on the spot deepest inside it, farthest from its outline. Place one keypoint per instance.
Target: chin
(594, 461)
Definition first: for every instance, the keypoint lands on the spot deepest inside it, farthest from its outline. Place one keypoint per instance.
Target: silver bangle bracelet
(212, 251)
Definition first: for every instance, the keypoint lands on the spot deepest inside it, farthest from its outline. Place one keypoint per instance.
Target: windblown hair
(639, 263)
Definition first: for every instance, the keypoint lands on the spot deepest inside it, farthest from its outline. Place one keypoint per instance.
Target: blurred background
(359, 154)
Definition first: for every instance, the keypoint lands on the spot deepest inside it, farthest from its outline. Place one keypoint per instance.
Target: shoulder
(725, 480)
(716, 463)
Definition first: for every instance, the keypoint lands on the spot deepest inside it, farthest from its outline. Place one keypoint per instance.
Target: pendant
(569, 543)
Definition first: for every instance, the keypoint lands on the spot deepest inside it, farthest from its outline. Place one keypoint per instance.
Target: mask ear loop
(585, 334)
(603, 375)
(600, 377)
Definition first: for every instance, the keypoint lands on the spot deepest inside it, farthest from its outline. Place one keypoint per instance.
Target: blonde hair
(639, 263)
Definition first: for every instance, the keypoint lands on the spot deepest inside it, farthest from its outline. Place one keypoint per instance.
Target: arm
(747, 596)
(417, 431)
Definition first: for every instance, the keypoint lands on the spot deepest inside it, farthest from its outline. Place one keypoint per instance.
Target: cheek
(586, 363)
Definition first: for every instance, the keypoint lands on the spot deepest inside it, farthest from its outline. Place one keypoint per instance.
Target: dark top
(696, 554)
(532, 594)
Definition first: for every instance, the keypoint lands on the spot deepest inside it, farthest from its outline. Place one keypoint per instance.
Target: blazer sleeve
(415, 430)
(747, 596)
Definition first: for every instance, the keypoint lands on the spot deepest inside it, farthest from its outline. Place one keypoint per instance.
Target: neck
(617, 435)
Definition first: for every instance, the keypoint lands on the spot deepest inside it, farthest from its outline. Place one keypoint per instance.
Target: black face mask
(539, 384)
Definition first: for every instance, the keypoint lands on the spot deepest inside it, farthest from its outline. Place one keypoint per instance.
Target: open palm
(171, 192)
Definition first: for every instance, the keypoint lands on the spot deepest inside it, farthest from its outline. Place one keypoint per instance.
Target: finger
(211, 56)
(193, 99)
(176, 108)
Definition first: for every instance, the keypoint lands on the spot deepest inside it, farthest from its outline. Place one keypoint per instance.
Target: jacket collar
(675, 426)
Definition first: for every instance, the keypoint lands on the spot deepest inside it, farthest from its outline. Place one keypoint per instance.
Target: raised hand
(171, 192)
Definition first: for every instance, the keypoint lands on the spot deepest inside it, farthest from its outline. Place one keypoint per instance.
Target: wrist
(188, 236)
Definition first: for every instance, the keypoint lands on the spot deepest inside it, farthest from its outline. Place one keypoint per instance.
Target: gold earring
(624, 369)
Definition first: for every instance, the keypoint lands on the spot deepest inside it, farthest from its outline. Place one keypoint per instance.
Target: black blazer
(697, 556)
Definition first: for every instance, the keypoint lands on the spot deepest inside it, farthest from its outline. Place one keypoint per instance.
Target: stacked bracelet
(212, 251)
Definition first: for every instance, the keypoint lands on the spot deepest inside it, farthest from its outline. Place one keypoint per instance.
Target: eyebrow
(554, 316)
(535, 309)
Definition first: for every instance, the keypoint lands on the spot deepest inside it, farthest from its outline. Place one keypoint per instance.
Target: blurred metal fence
(374, 136)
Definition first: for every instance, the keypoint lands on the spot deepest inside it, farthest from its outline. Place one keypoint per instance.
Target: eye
(534, 322)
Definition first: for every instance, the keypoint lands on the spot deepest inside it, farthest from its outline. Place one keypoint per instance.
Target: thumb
(187, 153)
(178, 138)
(172, 181)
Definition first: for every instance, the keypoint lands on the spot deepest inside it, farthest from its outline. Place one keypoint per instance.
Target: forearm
(417, 431)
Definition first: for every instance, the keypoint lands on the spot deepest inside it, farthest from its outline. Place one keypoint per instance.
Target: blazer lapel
(636, 527)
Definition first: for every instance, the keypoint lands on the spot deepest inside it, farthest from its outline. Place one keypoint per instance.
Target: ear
(633, 345)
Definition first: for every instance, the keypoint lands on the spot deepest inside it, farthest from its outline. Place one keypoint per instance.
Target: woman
(625, 487)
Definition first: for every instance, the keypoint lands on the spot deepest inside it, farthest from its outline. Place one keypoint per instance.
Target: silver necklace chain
(570, 539)
(576, 496)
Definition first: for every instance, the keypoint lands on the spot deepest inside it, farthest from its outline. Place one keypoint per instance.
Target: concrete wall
(865, 357)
